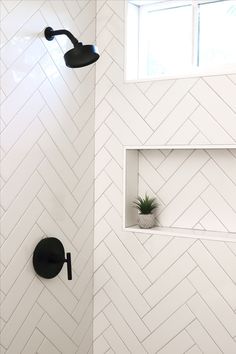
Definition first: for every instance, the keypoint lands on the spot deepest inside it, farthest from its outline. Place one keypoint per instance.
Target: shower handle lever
(69, 268)
(55, 258)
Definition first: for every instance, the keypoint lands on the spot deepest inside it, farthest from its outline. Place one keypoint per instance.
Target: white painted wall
(156, 294)
(47, 176)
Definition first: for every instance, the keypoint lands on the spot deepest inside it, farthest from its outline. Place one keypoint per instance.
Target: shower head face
(81, 55)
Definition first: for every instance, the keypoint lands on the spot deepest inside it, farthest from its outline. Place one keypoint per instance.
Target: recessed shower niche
(195, 187)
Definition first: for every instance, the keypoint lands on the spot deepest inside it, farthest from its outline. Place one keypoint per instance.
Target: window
(169, 38)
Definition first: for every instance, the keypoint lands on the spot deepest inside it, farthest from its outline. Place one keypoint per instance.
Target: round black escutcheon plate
(48, 257)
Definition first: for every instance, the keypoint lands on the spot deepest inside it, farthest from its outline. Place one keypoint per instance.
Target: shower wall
(153, 293)
(47, 151)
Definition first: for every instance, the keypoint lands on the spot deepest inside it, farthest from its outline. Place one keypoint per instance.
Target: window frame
(195, 71)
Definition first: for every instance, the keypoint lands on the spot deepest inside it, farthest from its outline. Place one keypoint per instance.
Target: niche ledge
(195, 185)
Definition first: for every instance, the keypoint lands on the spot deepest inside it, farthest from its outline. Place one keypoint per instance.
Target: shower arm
(50, 34)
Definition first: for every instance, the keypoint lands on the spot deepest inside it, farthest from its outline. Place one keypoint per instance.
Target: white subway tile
(84, 161)
(62, 100)
(21, 121)
(126, 310)
(222, 182)
(58, 136)
(168, 330)
(173, 121)
(115, 341)
(102, 182)
(55, 335)
(102, 205)
(17, 181)
(84, 208)
(22, 66)
(102, 135)
(102, 112)
(131, 117)
(169, 255)
(84, 331)
(61, 317)
(179, 344)
(47, 347)
(220, 208)
(169, 280)
(101, 230)
(125, 260)
(225, 159)
(183, 175)
(18, 152)
(33, 343)
(21, 203)
(224, 256)
(221, 337)
(210, 127)
(100, 278)
(85, 112)
(19, 233)
(155, 244)
(85, 136)
(195, 212)
(101, 300)
(25, 35)
(20, 259)
(123, 330)
(25, 331)
(135, 97)
(123, 281)
(183, 200)
(11, 24)
(61, 292)
(158, 89)
(57, 211)
(174, 300)
(57, 186)
(215, 273)
(130, 242)
(103, 87)
(84, 277)
(214, 301)
(120, 130)
(214, 104)
(202, 338)
(101, 253)
(85, 88)
(57, 160)
(169, 101)
(21, 312)
(100, 345)
(100, 323)
(211, 222)
(15, 101)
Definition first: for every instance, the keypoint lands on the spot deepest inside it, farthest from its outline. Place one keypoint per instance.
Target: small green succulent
(145, 205)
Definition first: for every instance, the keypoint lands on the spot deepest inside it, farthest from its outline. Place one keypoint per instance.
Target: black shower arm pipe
(68, 34)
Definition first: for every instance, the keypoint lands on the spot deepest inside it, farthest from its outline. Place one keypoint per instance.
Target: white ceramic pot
(146, 221)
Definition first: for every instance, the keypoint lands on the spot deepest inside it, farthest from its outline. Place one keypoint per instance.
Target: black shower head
(79, 56)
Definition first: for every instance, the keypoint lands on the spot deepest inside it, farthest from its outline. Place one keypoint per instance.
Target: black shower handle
(69, 267)
(49, 258)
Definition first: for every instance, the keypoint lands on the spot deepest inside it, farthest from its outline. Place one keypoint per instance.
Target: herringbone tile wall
(151, 293)
(157, 294)
(195, 189)
(47, 176)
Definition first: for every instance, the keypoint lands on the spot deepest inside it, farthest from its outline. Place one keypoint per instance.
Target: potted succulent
(145, 206)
